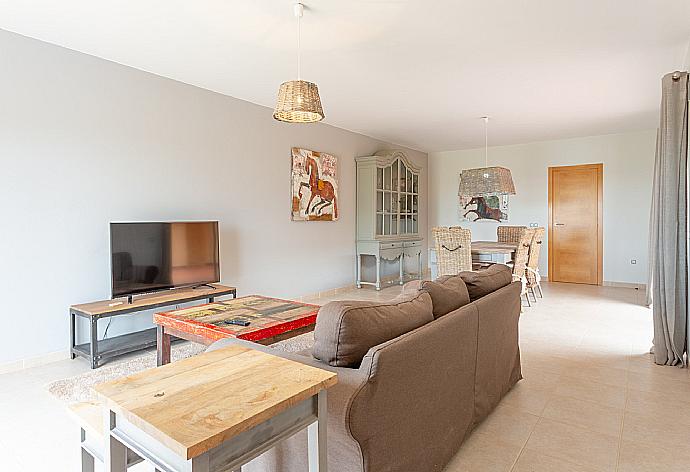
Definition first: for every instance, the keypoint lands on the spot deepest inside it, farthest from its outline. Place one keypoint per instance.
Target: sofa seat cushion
(484, 282)
(346, 330)
(448, 293)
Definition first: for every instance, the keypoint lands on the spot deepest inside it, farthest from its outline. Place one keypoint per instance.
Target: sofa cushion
(448, 293)
(346, 330)
(485, 281)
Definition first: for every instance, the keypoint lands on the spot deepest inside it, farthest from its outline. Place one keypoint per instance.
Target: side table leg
(200, 463)
(72, 334)
(318, 450)
(93, 345)
(115, 457)
(88, 462)
(162, 346)
(378, 273)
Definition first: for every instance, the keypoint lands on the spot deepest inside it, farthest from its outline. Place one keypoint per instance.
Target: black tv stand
(96, 350)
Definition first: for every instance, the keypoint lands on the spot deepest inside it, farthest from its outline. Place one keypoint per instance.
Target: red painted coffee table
(270, 320)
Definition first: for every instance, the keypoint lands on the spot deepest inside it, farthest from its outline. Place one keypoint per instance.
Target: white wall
(84, 141)
(628, 166)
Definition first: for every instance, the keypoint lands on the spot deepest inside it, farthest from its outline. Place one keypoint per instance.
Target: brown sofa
(412, 381)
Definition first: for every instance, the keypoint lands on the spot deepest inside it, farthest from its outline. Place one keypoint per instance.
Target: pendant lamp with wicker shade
(486, 181)
(298, 100)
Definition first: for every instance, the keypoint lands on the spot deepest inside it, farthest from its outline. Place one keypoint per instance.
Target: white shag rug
(78, 388)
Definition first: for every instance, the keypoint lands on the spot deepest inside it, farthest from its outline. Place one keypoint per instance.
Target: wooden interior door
(575, 224)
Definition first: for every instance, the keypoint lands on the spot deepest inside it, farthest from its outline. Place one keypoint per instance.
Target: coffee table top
(195, 404)
(268, 317)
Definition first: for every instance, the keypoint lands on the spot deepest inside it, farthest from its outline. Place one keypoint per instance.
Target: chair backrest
(522, 253)
(453, 249)
(535, 248)
(509, 234)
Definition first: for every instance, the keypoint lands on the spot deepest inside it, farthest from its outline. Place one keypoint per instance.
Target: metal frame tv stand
(96, 351)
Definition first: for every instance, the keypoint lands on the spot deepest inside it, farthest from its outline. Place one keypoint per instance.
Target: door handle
(560, 224)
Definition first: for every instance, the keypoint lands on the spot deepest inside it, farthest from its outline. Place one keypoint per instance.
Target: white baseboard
(636, 286)
(326, 293)
(30, 362)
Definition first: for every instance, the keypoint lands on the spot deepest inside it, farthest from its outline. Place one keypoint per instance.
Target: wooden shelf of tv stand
(97, 350)
(151, 301)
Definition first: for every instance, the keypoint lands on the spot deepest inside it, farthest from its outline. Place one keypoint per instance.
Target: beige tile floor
(591, 400)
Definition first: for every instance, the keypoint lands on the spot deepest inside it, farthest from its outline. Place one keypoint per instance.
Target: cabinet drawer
(412, 244)
(385, 245)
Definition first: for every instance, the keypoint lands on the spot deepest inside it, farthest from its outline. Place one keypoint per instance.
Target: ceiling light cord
(299, 10)
(486, 140)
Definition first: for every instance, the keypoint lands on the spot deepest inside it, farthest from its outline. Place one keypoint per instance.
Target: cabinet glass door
(397, 200)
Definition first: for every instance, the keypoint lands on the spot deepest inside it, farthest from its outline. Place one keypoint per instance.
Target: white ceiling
(414, 73)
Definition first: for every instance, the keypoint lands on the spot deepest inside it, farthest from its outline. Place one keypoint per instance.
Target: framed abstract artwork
(314, 186)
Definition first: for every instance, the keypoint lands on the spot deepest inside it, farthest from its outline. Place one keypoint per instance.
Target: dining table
(482, 251)
(492, 247)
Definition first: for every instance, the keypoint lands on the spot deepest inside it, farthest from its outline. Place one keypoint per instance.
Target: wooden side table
(215, 411)
(96, 351)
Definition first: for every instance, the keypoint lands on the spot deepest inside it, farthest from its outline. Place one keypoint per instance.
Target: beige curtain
(668, 241)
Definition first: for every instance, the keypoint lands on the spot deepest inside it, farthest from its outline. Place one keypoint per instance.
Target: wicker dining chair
(520, 262)
(509, 234)
(453, 249)
(533, 275)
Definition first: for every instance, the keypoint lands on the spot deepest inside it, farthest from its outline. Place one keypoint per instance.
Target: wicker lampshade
(486, 181)
(298, 102)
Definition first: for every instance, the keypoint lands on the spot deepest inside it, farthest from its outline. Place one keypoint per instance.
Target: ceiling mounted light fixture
(486, 181)
(298, 100)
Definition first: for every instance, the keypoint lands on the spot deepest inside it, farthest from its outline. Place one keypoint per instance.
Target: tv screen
(146, 257)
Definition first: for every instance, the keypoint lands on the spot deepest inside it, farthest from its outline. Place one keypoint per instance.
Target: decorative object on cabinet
(388, 212)
(490, 208)
(298, 100)
(314, 186)
(486, 181)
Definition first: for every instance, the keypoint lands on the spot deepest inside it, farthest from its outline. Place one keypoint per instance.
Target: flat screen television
(148, 257)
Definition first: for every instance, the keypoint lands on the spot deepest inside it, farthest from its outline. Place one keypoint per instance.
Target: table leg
(378, 273)
(359, 271)
(318, 450)
(115, 457)
(419, 265)
(87, 460)
(93, 345)
(402, 268)
(162, 346)
(72, 334)
(201, 463)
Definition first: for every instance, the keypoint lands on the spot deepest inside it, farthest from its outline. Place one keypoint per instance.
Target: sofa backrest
(483, 282)
(448, 293)
(346, 330)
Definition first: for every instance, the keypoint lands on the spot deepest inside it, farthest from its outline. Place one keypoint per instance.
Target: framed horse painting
(491, 208)
(314, 186)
